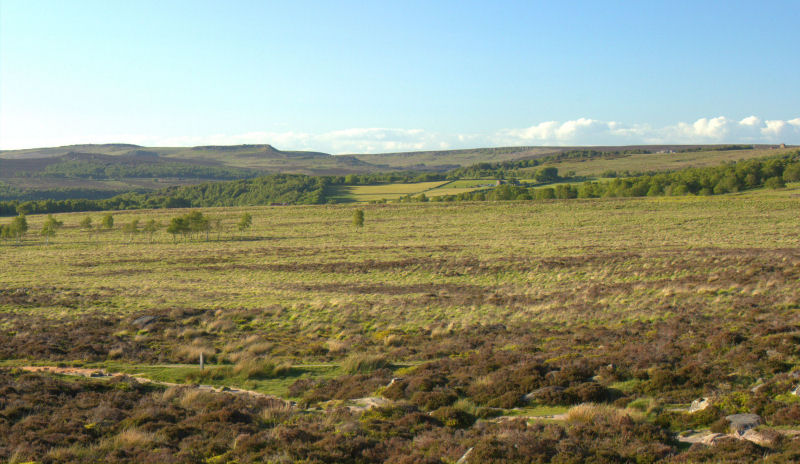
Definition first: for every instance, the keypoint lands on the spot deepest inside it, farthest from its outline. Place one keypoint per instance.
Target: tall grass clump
(362, 363)
(252, 368)
(589, 413)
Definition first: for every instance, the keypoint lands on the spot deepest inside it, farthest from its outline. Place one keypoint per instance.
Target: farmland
(468, 325)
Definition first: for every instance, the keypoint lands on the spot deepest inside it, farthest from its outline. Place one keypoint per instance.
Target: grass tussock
(589, 413)
(362, 363)
(260, 369)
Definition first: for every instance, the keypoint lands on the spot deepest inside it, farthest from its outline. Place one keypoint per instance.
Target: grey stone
(464, 457)
(712, 439)
(699, 405)
(765, 438)
(740, 423)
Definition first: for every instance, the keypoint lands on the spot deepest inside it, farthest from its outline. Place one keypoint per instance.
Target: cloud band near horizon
(577, 132)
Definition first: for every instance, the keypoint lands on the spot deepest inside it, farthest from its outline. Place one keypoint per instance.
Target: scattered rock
(765, 438)
(367, 403)
(740, 423)
(699, 405)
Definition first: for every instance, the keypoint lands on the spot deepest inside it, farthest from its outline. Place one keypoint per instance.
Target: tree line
(728, 178)
(188, 226)
(302, 189)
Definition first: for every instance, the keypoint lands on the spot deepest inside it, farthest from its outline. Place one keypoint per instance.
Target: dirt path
(103, 374)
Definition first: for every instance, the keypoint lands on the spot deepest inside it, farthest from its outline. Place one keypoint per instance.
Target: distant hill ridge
(267, 158)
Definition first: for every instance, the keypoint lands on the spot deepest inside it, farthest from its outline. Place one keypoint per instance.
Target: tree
(49, 228)
(150, 228)
(86, 223)
(5, 232)
(131, 228)
(245, 222)
(198, 223)
(178, 225)
(218, 227)
(549, 174)
(358, 218)
(108, 221)
(18, 227)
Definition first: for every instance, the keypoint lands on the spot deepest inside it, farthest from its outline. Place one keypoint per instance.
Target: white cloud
(581, 131)
(718, 129)
(750, 121)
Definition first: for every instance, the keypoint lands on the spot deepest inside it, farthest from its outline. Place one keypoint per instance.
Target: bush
(434, 399)
(774, 183)
(452, 417)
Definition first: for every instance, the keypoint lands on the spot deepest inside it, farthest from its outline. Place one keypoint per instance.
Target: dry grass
(359, 363)
(260, 369)
(588, 413)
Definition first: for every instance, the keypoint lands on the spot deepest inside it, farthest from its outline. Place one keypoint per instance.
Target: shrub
(434, 399)
(774, 183)
(452, 417)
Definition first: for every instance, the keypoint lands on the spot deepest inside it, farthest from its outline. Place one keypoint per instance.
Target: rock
(712, 439)
(740, 423)
(144, 320)
(395, 380)
(759, 385)
(758, 388)
(464, 457)
(796, 390)
(367, 403)
(699, 405)
(543, 393)
(765, 438)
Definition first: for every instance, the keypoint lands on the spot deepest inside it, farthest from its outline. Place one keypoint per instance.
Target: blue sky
(378, 76)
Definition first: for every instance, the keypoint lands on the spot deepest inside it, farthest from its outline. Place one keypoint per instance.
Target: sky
(382, 76)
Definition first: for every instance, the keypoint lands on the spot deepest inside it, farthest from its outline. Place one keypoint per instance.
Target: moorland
(620, 328)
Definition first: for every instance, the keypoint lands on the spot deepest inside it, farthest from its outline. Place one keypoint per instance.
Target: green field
(367, 193)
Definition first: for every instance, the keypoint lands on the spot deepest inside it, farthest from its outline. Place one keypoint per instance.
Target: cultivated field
(495, 318)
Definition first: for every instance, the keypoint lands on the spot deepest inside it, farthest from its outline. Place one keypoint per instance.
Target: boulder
(765, 438)
(740, 423)
(796, 390)
(699, 405)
